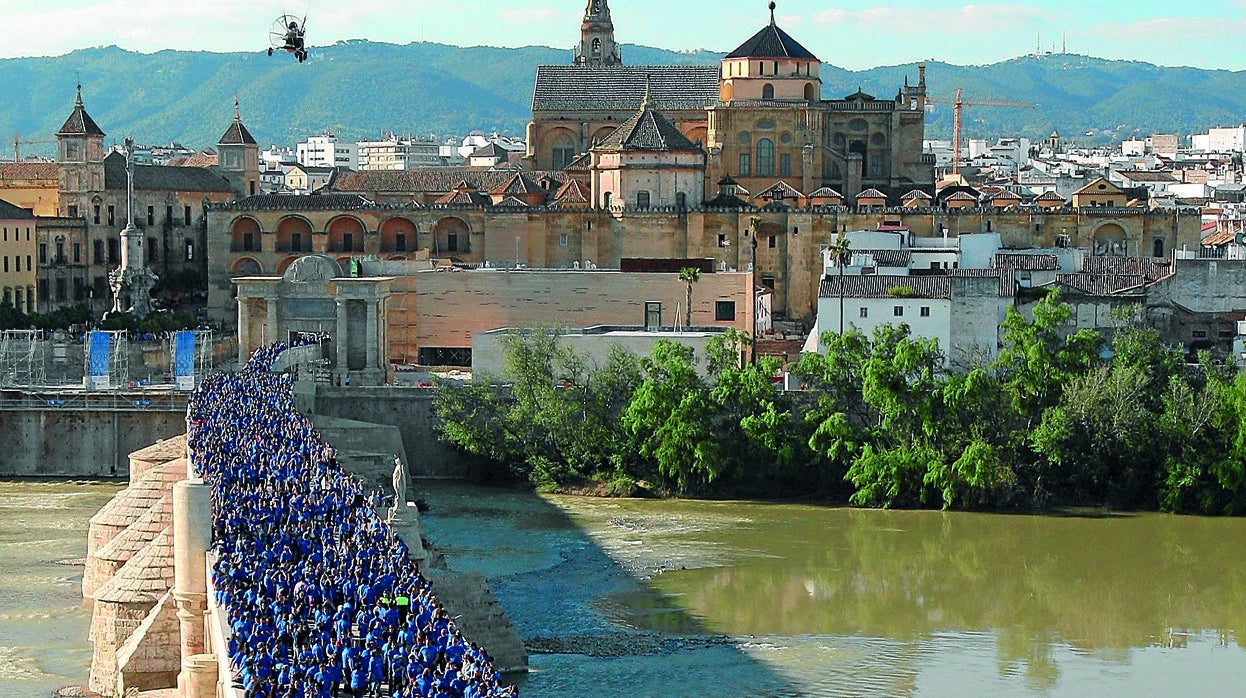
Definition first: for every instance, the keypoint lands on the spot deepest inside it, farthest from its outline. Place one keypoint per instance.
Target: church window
(112, 215)
(767, 91)
(71, 151)
(151, 215)
(186, 214)
(785, 165)
(878, 139)
(1157, 250)
(765, 158)
(810, 92)
(785, 138)
(765, 125)
(840, 140)
(96, 214)
(77, 253)
(98, 247)
(596, 48)
(43, 253)
(642, 199)
(73, 210)
(745, 138)
(564, 153)
(776, 67)
(859, 125)
(190, 250)
(876, 165)
(746, 165)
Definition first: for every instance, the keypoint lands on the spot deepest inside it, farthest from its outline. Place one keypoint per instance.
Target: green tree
(839, 254)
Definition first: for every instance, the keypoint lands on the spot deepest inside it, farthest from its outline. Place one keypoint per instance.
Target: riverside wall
(83, 434)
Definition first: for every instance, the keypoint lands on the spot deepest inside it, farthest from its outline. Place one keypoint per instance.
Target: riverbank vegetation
(880, 421)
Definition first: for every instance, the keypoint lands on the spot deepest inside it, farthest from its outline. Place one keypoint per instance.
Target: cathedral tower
(80, 156)
(239, 157)
(597, 45)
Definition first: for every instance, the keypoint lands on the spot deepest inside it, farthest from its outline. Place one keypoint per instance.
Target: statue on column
(132, 282)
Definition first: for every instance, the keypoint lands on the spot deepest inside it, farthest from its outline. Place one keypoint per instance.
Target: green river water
(684, 598)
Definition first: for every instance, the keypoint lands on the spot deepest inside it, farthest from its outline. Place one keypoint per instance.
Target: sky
(853, 34)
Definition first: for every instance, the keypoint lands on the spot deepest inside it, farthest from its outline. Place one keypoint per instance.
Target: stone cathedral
(760, 115)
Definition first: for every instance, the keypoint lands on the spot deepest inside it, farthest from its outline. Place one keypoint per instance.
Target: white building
(327, 151)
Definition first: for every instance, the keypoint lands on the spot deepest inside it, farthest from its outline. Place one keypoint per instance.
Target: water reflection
(1099, 587)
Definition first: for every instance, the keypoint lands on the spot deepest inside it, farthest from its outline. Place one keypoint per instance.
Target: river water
(669, 598)
(43, 621)
(684, 598)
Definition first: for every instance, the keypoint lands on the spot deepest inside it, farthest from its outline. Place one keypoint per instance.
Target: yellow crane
(958, 107)
(18, 141)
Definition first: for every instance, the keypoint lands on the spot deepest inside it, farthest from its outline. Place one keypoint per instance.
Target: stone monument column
(374, 308)
(271, 303)
(340, 350)
(244, 329)
(192, 535)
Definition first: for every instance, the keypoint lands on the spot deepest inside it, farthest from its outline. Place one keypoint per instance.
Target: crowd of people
(322, 597)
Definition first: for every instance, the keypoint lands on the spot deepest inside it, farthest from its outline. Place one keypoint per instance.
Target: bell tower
(597, 46)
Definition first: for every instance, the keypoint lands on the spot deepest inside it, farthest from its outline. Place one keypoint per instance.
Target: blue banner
(184, 360)
(99, 346)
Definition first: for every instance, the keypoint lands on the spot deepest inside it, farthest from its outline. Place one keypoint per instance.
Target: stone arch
(727, 92)
(451, 235)
(564, 145)
(285, 264)
(1110, 239)
(767, 91)
(602, 133)
(698, 134)
(860, 148)
(1157, 247)
(346, 234)
(246, 266)
(396, 258)
(294, 234)
(398, 235)
(810, 92)
(245, 235)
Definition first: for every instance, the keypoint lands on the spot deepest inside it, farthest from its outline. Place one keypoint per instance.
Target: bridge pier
(192, 535)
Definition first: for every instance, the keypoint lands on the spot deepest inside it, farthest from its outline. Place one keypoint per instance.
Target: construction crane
(958, 107)
(18, 141)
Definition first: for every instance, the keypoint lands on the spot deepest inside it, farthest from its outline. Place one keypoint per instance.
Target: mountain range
(362, 89)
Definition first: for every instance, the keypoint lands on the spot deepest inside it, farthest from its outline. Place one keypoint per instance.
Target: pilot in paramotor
(287, 34)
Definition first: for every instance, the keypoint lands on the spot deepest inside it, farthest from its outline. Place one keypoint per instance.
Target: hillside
(361, 88)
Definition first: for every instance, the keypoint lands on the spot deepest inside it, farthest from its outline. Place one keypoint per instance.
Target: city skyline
(853, 34)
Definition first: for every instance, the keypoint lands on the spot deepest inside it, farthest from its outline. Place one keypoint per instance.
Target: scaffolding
(21, 358)
(203, 361)
(118, 361)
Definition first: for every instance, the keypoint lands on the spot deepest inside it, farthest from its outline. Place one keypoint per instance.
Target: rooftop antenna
(772, 13)
(1064, 42)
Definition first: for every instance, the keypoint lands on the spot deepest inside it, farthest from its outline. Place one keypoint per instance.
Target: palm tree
(689, 275)
(840, 255)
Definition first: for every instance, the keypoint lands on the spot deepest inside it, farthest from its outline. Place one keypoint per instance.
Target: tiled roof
(464, 197)
(1050, 196)
(619, 88)
(519, 183)
(162, 177)
(237, 133)
(582, 163)
(1026, 262)
(512, 202)
(1007, 284)
(726, 201)
(80, 122)
(1093, 188)
(778, 190)
(573, 192)
(293, 202)
(9, 212)
(888, 258)
(877, 286)
(871, 194)
(916, 194)
(1006, 195)
(650, 131)
(203, 158)
(490, 150)
(772, 42)
(1100, 284)
(429, 180)
(1147, 176)
(1150, 268)
(1215, 239)
(825, 193)
(28, 170)
(962, 196)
